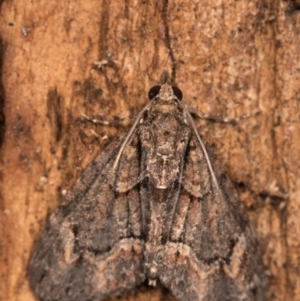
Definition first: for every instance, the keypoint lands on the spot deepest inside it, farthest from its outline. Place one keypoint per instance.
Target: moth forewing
(201, 144)
(138, 119)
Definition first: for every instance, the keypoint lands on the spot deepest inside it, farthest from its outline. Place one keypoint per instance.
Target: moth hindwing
(153, 206)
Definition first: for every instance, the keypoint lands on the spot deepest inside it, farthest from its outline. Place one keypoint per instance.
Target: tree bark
(61, 59)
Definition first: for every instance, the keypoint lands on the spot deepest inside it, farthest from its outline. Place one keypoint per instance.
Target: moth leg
(109, 122)
(213, 118)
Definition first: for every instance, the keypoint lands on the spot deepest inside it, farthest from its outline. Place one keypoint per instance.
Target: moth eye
(153, 92)
(177, 92)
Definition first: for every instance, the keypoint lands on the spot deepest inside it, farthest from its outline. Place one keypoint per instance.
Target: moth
(155, 205)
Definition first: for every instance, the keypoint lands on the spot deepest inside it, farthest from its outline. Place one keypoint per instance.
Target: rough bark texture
(228, 57)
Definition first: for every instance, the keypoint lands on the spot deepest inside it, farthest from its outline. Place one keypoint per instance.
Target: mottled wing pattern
(92, 246)
(212, 254)
(157, 215)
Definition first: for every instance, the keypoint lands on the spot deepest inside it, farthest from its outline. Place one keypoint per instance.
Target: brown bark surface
(61, 59)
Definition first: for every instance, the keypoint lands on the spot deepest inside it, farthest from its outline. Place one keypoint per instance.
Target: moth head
(165, 92)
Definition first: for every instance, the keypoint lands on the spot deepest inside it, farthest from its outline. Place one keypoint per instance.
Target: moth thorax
(166, 107)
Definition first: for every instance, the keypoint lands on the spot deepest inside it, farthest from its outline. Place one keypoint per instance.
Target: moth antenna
(211, 170)
(165, 78)
(130, 134)
(165, 61)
